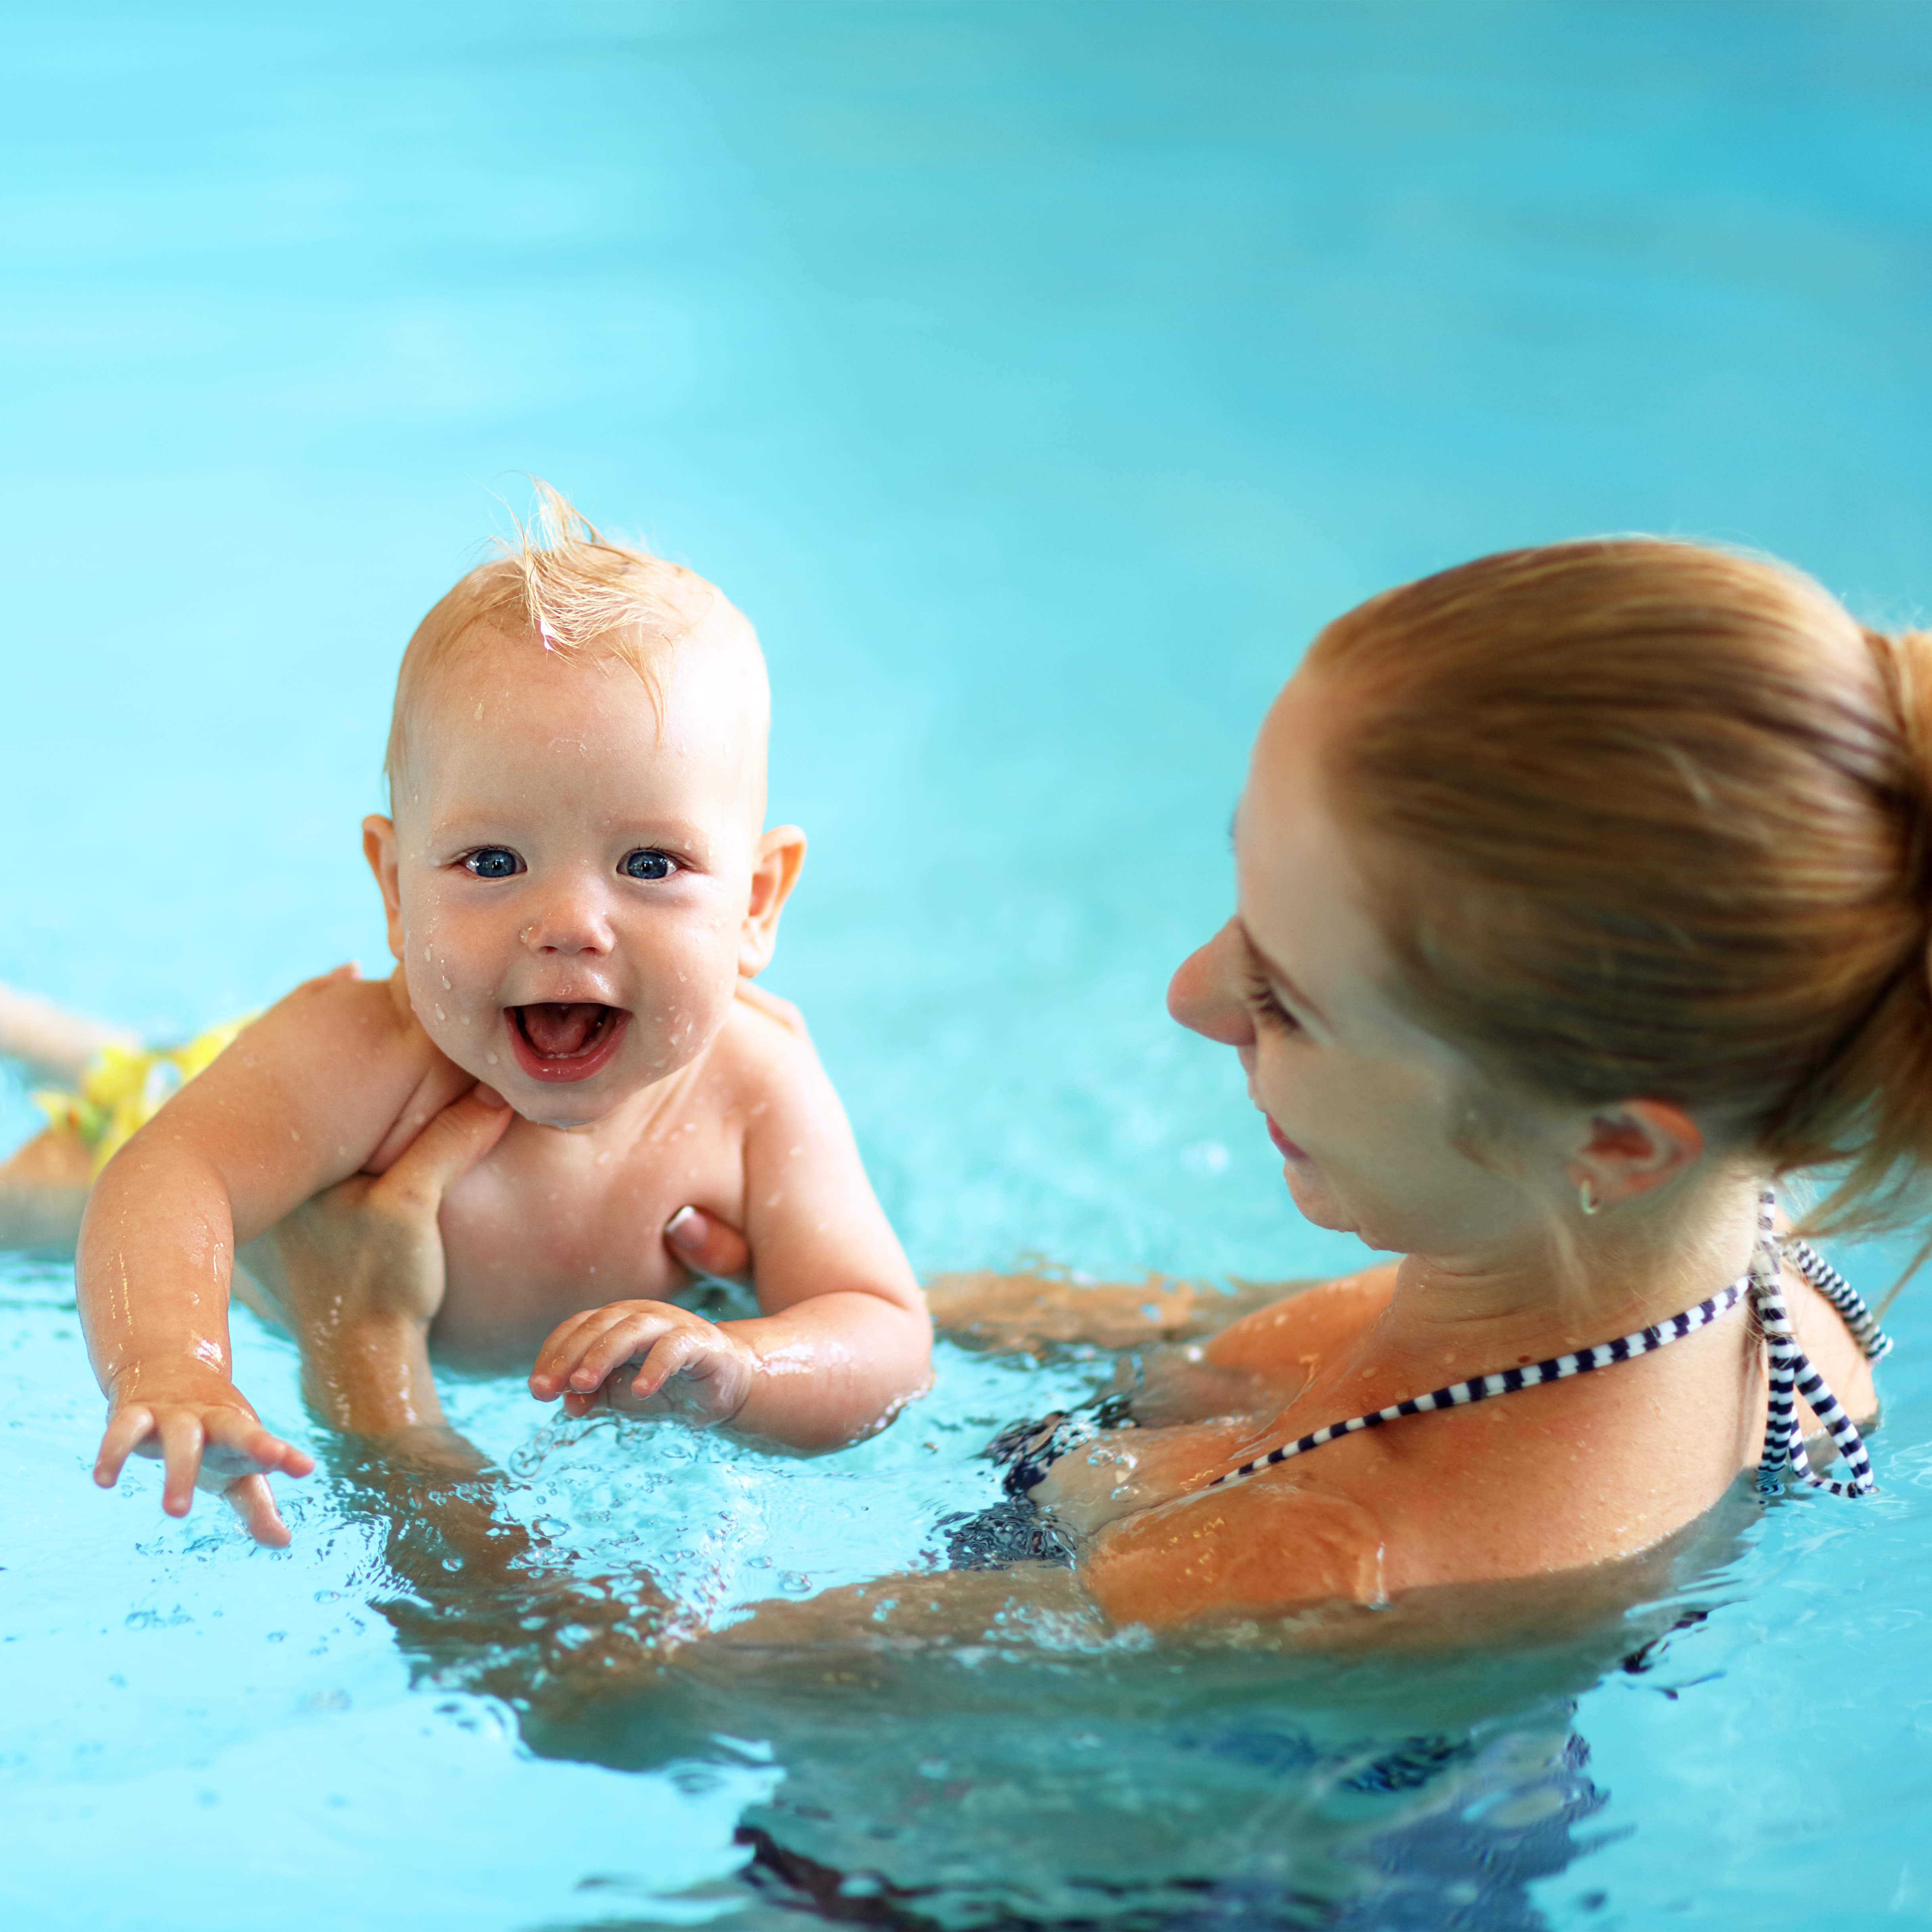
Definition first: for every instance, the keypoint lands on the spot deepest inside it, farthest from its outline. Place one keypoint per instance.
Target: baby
(578, 894)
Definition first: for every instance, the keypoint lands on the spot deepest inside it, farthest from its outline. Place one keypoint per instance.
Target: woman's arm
(1264, 1547)
(1033, 1311)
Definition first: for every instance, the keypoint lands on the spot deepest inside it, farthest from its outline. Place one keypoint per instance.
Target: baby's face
(571, 891)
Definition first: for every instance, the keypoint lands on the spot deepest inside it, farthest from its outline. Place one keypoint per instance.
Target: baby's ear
(379, 847)
(774, 872)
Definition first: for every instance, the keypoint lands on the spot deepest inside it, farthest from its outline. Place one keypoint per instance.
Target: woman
(1581, 898)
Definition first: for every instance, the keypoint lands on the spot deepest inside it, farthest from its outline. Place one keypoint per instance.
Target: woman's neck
(1639, 1262)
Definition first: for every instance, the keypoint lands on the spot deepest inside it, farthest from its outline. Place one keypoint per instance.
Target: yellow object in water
(124, 1086)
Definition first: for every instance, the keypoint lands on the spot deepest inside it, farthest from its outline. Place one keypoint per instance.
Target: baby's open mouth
(564, 1039)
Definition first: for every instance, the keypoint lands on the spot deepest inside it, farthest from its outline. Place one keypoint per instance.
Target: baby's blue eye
(493, 862)
(648, 865)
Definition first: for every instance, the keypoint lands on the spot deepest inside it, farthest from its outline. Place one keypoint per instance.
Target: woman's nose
(1204, 994)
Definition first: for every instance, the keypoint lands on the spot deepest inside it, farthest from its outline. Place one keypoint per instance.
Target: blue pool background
(1038, 378)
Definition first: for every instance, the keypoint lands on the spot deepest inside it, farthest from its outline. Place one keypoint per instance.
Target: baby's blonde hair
(574, 592)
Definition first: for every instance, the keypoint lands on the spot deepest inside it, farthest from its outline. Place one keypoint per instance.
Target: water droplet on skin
(446, 982)
(491, 1058)
(440, 1014)
(426, 952)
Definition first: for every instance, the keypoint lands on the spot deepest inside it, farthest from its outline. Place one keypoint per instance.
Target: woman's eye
(1268, 1009)
(648, 865)
(492, 862)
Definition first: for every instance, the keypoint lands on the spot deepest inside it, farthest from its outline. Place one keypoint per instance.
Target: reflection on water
(1417, 1767)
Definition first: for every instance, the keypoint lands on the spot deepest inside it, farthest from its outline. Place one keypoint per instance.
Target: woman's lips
(559, 1040)
(1287, 1148)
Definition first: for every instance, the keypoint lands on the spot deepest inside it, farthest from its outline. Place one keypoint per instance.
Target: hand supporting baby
(362, 1275)
(361, 1269)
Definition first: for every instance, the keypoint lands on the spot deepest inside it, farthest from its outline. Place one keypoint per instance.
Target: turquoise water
(1037, 377)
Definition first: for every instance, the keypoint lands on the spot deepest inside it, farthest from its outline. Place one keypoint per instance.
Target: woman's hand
(707, 1246)
(361, 1274)
(1032, 1312)
(689, 1367)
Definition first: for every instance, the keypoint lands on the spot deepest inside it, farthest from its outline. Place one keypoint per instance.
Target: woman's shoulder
(1280, 1337)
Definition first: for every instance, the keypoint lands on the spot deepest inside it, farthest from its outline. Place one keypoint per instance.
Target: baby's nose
(569, 921)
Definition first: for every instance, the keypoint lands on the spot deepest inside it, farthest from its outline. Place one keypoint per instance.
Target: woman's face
(1363, 1105)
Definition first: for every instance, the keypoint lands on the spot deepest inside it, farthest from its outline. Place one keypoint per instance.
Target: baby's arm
(843, 1341)
(302, 1098)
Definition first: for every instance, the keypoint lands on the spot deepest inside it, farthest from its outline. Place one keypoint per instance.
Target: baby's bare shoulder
(765, 1077)
(763, 1051)
(320, 1023)
(306, 1093)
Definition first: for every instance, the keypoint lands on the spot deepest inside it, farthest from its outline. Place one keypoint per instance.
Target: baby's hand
(690, 1368)
(207, 1439)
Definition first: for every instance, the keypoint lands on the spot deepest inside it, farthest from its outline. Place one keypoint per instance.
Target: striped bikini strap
(1841, 1295)
(1507, 1382)
(1785, 1458)
(1791, 1373)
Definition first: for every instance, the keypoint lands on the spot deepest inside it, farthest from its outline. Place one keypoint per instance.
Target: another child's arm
(304, 1097)
(44, 1185)
(843, 1341)
(52, 1043)
(44, 1189)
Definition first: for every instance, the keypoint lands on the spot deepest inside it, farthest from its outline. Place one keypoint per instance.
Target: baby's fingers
(182, 1437)
(604, 1335)
(558, 1357)
(673, 1354)
(629, 1339)
(254, 1501)
(237, 1445)
(127, 1430)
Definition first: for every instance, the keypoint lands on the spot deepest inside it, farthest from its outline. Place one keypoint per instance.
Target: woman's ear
(1630, 1149)
(774, 872)
(379, 847)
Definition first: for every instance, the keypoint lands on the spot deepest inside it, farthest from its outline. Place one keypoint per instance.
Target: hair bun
(1686, 853)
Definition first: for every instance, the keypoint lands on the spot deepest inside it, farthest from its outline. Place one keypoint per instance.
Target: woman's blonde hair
(1643, 818)
(574, 591)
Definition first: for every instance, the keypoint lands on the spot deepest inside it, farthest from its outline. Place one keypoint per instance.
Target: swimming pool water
(1037, 378)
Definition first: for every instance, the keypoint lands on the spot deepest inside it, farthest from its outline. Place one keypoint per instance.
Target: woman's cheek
(1316, 1201)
